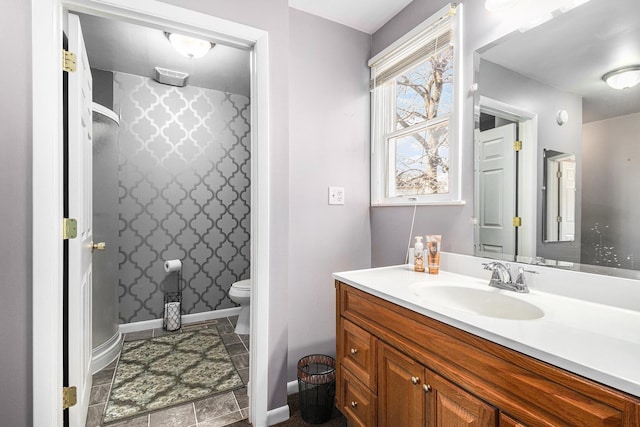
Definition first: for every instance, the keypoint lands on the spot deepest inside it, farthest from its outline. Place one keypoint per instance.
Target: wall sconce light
(190, 47)
(624, 77)
(495, 5)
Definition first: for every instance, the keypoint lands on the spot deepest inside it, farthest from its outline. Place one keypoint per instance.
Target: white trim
(292, 387)
(278, 415)
(46, 42)
(528, 169)
(409, 201)
(173, 18)
(187, 319)
(106, 353)
(260, 236)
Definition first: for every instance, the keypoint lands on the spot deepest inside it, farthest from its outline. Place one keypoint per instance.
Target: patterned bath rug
(160, 372)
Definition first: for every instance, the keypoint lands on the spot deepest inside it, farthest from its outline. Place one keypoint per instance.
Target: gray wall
(102, 89)
(184, 181)
(512, 88)
(329, 146)
(610, 228)
(15, 227)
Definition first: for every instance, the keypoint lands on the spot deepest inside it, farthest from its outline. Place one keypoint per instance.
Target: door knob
(415, 380)
(101, 246)
(427, 388)
(354, 350)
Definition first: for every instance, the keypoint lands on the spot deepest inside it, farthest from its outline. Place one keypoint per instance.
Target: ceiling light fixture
(624, 77)
(496, 5)
(190, 47)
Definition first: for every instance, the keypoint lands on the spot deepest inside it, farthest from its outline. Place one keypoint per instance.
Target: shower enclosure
(106, 335)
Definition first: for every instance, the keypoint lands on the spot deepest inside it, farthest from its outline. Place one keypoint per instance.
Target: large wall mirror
(557, 150)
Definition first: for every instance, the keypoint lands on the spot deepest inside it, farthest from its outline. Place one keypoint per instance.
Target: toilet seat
(242, 284)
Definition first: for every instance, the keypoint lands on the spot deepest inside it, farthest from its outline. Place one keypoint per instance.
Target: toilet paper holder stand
(172, 308)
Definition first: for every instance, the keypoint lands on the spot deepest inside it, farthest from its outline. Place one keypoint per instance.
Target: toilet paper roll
(172, 265)
(172, 314)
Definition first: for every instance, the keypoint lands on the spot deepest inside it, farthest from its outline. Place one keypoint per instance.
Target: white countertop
(596, 341)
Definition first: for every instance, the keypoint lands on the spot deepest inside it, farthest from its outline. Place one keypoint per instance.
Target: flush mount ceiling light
(190, 47)
(495, 5)
(624, 77)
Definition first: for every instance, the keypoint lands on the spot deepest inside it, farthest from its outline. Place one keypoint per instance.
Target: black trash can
(317, 387)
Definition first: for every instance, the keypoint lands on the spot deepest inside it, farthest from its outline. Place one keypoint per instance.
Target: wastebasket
(317, 387)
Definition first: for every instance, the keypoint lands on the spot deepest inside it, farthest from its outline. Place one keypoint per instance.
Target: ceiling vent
(170, 77)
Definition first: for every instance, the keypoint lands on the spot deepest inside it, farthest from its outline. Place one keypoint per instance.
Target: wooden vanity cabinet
(414, 396)
(410, 370)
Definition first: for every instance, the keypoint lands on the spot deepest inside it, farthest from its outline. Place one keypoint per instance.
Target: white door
(568, 200)
(497, 201)
(80, 208)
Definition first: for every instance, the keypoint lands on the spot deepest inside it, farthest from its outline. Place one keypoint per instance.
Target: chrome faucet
(501, 277)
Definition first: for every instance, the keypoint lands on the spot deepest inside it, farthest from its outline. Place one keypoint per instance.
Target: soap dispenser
(418, 255)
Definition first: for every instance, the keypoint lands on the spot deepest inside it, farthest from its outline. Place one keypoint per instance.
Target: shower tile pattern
(184, 189)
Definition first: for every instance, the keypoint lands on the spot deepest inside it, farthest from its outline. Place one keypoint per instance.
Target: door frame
(47, 25)
(527, 172)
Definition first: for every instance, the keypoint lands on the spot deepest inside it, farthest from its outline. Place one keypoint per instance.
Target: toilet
(240, 293)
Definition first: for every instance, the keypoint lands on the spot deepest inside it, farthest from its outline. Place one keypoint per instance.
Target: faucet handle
(520, 280)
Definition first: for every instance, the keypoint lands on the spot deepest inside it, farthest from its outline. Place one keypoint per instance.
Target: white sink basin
(490, 303)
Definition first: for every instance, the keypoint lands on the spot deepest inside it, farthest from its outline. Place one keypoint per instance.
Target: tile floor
(216, 411)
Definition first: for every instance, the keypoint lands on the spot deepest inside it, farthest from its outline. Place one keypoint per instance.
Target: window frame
(383, 104)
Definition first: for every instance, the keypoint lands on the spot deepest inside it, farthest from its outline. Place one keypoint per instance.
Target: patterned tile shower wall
(184, 188)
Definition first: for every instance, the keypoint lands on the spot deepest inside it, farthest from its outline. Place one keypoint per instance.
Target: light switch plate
(336, 195)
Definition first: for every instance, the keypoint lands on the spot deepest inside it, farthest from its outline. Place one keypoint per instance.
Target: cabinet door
(449, 405)
(400, 395)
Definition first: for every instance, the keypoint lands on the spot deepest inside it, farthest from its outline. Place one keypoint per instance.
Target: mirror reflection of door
(560, 197)
(497, 189)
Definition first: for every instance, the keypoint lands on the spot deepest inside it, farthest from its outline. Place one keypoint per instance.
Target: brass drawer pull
(415, 380)
(354, 350)
(426, 388)
(354, 404)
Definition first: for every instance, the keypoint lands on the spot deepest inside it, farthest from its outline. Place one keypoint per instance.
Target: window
(415, 153)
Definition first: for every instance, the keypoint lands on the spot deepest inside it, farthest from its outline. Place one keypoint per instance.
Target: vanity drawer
(358, 353)
(359, 403)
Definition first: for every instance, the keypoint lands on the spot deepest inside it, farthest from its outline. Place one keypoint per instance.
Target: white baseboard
(292, 387)
(106, 353)
(186, 319)
(278, 415)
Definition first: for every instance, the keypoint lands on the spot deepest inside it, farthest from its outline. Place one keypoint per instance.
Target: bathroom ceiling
(574, 50)
(364, 15)
(120, 46)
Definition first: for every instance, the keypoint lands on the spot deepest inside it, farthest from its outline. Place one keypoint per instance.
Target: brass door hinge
(559, 219)
(68, 61)
(517, 221)
(517, 145)
(69, 397)
(559, 174)
(69, 228)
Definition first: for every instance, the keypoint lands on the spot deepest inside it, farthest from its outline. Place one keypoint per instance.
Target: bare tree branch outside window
(423, 94)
